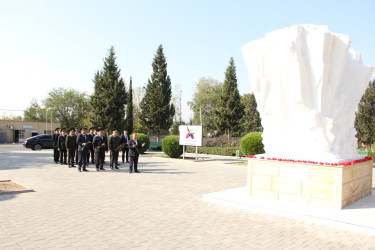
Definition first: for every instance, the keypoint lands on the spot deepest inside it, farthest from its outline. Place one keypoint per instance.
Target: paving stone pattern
(160, 208)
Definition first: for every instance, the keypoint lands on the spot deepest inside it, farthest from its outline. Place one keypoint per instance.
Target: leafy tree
(157, 111)
(35, 113)
(109, 98)
(175, 128)
(365, 117)
(205, 102)
(230, 110)
(68, 106)
(251, 120)
(129, 109)
(176, 100)
(10, 117)
(139, 128)
(138, 94)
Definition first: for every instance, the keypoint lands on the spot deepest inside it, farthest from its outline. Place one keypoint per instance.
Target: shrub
(142, 138)
(251, 144)
(225, 151)
(170, 146)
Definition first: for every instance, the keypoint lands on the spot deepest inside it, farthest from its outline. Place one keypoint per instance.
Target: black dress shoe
(102, 169)
(136, 171)
(85, 170)
(73, 166)
(130, 172)
(127, 161)
(116, 167)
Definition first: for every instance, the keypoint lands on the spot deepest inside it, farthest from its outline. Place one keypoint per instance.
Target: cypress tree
(109, 98)
(365, 117)
(156, 109)
(129, 109)
(251, 120)
(230, 109)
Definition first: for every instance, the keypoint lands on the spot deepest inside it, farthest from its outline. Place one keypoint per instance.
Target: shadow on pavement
(5, 197)
(365, 202)
(18, 160)
(146, 167)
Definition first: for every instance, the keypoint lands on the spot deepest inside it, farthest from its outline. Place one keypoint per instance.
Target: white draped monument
(308, 82)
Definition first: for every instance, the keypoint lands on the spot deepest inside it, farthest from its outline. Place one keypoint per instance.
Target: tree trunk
(158, 136)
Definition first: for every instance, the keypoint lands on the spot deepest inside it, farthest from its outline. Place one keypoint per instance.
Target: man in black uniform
(106, 144)
(125, 148)
(90, 137)
(61, 146)
(99, 145)
(82, 142)
(70, 144)
(55, 137)
(134, 148)
(114, 146)
(76, 133)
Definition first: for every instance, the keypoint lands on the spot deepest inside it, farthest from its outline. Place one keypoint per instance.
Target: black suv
(38, 142)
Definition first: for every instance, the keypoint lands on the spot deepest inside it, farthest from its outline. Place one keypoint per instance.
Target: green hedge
(170, 146)
(213, 150)
(251, 144)
(143, 138)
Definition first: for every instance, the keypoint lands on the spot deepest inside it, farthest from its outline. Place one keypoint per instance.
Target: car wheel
(37, 147)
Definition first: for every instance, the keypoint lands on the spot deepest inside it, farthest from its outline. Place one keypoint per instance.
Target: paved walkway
(160, 208)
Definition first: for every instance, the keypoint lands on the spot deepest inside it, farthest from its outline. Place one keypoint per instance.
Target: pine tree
(109, 98)
(251, 120)
(157, 111)
(129, 109)
(230, 109)
(365, 117)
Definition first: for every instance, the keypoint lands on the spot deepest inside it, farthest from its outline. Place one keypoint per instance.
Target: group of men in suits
(81, 145)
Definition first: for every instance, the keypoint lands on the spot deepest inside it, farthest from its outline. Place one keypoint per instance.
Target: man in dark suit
(76, 159)
(55, 138)
(61, 146)
(82, 143)
(114, 146)
(106, 144)
(99, 145)
(125, 148)
(70, 143)
(134, 148)
(90, 150)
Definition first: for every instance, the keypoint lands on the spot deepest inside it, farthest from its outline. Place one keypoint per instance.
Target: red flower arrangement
(312, 162)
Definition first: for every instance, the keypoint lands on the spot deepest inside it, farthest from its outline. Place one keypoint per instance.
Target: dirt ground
(6, 186)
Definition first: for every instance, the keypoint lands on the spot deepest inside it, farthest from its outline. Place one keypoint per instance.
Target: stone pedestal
(327, 186)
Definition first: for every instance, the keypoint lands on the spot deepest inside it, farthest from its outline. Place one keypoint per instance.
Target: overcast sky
(49, 44)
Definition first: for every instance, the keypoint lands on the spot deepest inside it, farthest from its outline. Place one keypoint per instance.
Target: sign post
(191, 135)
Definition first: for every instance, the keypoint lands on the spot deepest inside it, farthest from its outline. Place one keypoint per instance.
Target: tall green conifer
(230, 109)
(109, 98)
(157, 111)
(129, 109)
(365, 117)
